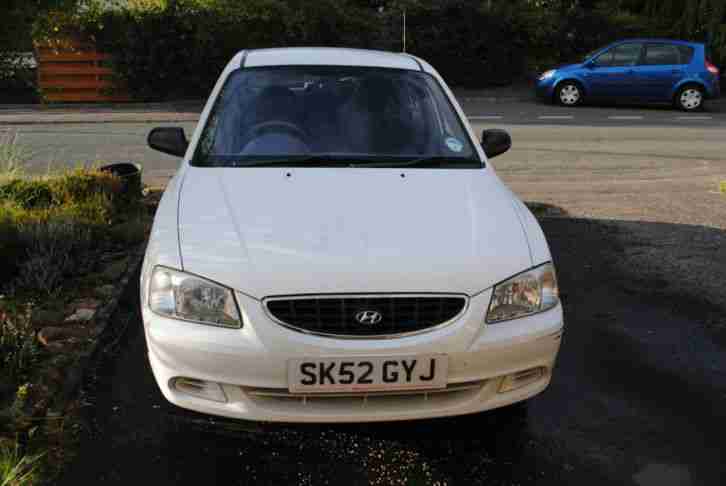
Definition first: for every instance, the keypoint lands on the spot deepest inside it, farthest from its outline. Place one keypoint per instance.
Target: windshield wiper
(298, 161)
(342, 160)
(433, 162)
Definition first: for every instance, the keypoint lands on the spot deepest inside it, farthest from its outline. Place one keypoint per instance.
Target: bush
(54, 251)
(167, 53)
(50, 225)
(11, 247)
(27, 193)
(18, 349)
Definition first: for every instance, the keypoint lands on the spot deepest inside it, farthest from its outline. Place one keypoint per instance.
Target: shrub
(11, 247)
(54, 250)
(129, 233)
(79, 185)
(17, 468)
(50, 225)
(161, 52)
(18, 349)
(27, 193)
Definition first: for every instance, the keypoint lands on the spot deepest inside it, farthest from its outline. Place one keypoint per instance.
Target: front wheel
(689, 98)
(569, 93)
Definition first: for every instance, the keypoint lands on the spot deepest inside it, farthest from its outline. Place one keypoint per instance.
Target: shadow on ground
(640, 385)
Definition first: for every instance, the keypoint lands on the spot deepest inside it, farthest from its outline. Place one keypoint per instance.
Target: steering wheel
(276, 126)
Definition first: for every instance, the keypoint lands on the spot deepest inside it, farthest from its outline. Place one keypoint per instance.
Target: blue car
(636, 70)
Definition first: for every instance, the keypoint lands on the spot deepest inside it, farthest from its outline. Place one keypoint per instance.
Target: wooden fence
(76, 74)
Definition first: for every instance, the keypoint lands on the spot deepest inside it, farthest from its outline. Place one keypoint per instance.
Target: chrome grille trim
(271, 316)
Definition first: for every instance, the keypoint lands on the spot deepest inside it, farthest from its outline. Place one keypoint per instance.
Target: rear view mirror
(170, 140)
(495, 142)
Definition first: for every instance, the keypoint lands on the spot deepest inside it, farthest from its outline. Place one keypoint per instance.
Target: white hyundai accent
(336, 247)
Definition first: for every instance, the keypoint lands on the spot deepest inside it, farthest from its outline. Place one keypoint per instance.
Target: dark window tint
(308, 115)
(686, 54)
(661, 54)
(622, 55)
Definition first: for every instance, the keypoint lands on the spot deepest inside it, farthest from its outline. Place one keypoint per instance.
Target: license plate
(367, 374)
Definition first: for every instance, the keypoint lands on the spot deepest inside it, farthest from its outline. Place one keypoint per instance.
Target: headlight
(190, 298)
(530, 292)
(547, 74)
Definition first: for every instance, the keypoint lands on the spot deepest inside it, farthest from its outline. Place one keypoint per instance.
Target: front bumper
(251, 365)
(545, 89)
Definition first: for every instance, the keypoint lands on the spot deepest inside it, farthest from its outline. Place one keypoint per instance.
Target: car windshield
(590, 54)
(305, 116)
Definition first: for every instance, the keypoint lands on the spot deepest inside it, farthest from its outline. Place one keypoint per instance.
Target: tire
(689, 98)
(569, 93)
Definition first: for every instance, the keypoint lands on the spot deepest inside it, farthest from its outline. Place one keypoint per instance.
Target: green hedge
(179, 52)
(171, 50)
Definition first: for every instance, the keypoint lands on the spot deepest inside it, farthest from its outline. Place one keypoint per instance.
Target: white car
(336, 247)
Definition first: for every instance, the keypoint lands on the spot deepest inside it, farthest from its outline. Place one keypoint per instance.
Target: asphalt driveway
(637, 397)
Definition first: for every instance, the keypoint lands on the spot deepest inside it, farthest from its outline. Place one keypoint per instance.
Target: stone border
(77, 371)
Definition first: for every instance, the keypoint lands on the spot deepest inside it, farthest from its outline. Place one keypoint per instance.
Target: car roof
(328, 56)
(666, 41)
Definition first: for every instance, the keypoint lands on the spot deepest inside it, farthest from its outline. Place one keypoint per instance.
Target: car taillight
(711, 68)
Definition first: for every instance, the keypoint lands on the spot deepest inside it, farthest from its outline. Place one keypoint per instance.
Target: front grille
(365, 316)
(284, 393)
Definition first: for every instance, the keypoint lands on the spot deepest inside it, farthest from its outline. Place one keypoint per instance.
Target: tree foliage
(176, 48)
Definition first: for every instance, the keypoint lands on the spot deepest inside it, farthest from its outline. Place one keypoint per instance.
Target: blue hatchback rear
(636, 70)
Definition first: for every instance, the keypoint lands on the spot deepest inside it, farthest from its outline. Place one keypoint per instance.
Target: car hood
(269, 231)
(568, 67)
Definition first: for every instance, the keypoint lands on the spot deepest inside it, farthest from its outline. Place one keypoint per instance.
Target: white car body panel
(269, 231)
(317, 56)
(349, 230)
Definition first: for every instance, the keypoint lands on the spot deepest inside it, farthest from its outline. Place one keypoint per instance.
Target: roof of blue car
(670, 41)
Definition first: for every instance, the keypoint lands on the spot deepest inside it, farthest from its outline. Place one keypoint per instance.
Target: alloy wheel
(570, 94)
(691, 98)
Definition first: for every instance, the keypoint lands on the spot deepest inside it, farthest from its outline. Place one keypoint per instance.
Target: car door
(662, 67)
(612, 73)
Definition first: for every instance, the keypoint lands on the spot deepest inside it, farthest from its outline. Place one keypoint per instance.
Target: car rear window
(660, 54)
(667, 54)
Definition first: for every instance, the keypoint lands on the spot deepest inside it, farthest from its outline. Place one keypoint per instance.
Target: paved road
(638, 397)
(664, 167)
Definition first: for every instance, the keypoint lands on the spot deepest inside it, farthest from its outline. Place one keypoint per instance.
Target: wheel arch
(688, 82)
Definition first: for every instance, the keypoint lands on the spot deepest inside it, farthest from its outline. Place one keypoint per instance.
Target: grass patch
(18, 468)
(12, 157)
(49, 226)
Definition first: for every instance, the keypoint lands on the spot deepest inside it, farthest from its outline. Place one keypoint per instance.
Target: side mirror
(495, 142)
(170, 140)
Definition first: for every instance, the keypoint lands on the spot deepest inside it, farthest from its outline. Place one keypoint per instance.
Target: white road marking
(694, 118)
(555, 117)
(485, 117)
(625, 117)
